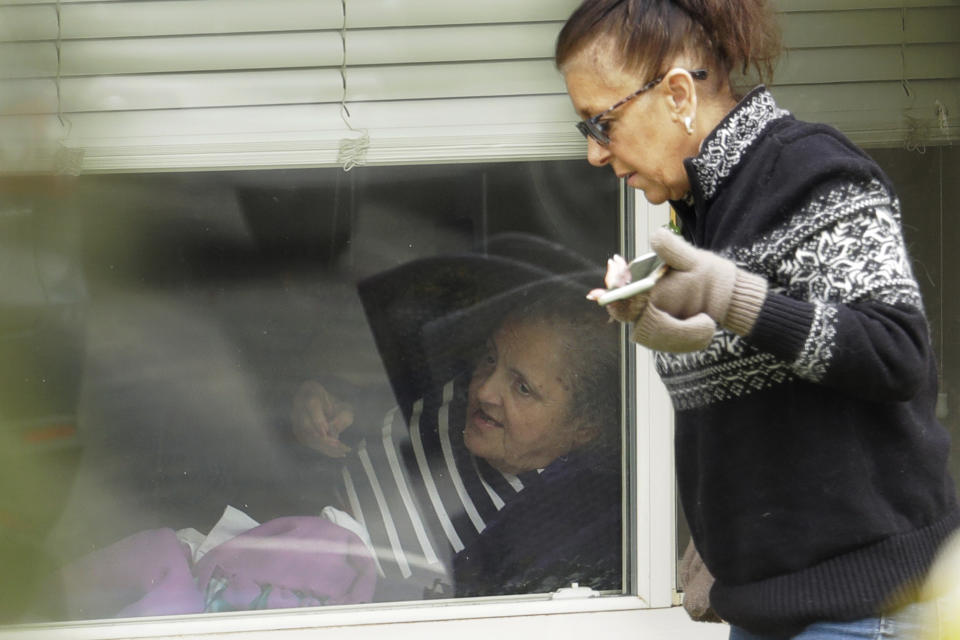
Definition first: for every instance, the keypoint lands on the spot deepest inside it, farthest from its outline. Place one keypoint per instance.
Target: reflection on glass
(929, 200)
(268, 389)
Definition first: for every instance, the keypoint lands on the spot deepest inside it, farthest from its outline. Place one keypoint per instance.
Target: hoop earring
(688, 125)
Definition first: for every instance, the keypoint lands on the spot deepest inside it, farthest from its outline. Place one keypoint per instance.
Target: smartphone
(644, 273)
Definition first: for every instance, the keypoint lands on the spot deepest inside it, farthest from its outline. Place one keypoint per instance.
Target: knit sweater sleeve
(844, 308)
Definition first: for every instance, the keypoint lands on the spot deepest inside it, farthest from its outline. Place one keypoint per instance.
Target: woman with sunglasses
(789, 328)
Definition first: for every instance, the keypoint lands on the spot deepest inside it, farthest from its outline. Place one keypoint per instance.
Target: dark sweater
(811, 467)
(565, 527)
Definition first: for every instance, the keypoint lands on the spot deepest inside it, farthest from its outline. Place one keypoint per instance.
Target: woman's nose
(597, 154)
(488, 391)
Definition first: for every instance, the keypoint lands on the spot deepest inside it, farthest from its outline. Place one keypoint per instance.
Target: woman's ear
(681, 96)
(584, 434)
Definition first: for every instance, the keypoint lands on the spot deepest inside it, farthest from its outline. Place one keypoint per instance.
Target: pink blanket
(295, 561)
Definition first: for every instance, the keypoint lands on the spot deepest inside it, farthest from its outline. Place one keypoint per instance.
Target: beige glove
(319, 418)
(660, 331)
(701, 282)
(696, 581)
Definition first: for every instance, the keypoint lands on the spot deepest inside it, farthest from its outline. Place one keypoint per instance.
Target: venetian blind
(885, 72)
(213, 83)
(115, 85)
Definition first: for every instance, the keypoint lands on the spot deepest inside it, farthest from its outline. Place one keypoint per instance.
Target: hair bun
(741, 35)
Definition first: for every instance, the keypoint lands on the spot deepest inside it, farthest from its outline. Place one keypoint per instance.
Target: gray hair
(591, 349)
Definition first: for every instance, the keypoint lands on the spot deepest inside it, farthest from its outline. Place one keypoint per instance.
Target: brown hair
(649, 34)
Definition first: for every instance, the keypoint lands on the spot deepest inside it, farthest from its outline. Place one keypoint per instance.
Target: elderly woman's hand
(319, 418)
(630, 309)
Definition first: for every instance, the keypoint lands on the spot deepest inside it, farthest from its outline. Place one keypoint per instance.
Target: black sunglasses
(594, 128)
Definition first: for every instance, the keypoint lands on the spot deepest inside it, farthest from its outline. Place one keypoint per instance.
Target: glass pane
(929, 200)
(264, 389)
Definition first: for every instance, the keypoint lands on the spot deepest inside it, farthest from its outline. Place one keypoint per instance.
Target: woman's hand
(319, 418)
(696, 581)
(700, 290)
(658, 330)
(698, 281)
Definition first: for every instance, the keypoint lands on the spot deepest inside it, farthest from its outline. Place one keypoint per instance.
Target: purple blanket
(287, 562)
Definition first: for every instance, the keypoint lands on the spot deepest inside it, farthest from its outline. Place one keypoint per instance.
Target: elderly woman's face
(519, 405)
(647, 144)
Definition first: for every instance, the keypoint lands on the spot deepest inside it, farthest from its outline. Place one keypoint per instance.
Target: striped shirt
(420, 494)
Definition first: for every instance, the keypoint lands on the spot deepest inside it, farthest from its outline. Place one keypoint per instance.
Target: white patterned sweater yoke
(842, 246)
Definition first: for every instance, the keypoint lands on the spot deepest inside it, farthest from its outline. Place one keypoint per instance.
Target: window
(163, 324)
(928, 197)
(97, 89)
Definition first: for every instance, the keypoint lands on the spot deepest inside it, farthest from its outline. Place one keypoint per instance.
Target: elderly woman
(789, 328)
(506, 480)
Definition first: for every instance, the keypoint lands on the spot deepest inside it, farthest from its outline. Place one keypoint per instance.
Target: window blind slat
(867, 64)
(932, 61)
(277, 50)
(934, 25)
(24, 23)
(844, 28)
(874, 27)
(27, 59)
(269, 121)
(853, 5)
(145, 18)
(871, 101)
(401, 82)
(28, 97)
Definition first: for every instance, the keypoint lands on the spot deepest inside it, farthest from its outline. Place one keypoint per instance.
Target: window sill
(607, 617)
(253, 624)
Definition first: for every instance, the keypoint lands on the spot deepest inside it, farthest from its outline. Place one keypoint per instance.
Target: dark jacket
(811, 467)
(565, 527)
